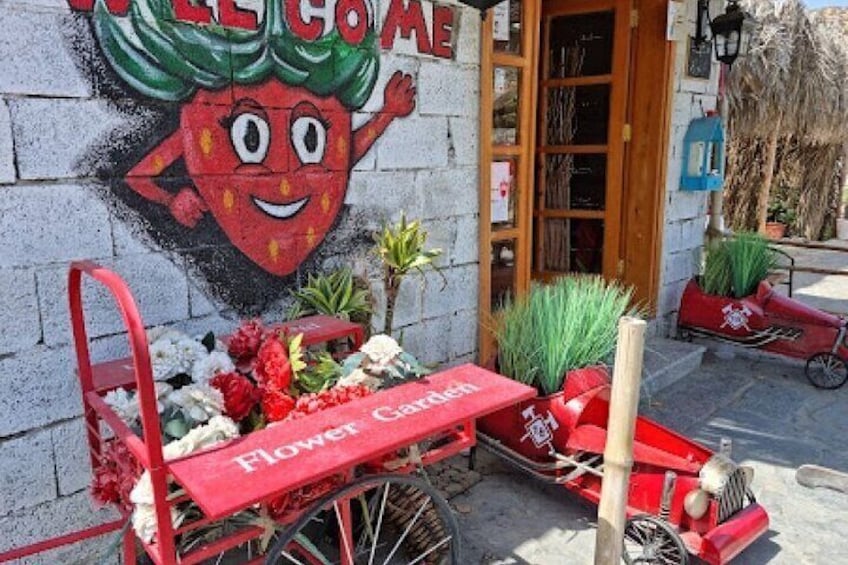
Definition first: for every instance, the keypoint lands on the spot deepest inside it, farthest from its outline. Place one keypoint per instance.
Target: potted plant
(779, 217)
(337, 294)
(556, 338)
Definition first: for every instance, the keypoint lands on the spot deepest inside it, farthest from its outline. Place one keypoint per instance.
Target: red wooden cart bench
(352, 441)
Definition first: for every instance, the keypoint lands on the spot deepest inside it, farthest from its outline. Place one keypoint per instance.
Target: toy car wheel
(650, 540)
(377, 519)
(827, 370)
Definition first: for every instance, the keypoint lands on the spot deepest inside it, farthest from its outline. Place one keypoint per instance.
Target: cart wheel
(648, 539)
(377, 530)
(826, 370)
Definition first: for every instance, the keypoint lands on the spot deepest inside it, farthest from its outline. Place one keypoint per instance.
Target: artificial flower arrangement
(209, 392)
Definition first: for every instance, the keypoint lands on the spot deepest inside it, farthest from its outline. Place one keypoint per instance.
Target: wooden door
(581, 132)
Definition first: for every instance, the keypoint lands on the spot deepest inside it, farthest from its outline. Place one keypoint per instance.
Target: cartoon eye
(309, 136)
(251, 136)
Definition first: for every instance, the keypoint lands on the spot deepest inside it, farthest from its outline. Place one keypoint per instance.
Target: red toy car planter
(683, 498)
(769, 321)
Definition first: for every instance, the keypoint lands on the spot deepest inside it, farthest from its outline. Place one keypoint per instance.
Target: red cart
(377, 510)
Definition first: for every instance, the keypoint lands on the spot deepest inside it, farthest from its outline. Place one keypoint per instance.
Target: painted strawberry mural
(265, 130)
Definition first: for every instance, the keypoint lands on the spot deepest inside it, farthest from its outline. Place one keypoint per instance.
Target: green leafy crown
(164, 58)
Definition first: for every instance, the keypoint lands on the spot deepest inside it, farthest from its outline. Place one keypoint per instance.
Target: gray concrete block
(37, 387)
(445, 88)
(38, 5)
(20, 326)
(678, 266)
(463, 334)
(131, 239)
(7, 149)
(686, 205)
(42, 128)
(52, 223)
(667, 361)
(73, 466)
(34, 58)
(53, 518)
(464, 138)
(27, 476)
(467, 34)
(460, 292)
(414, 143)
(159, 287)
(426, 341)
(383, 195)
(466, 246)
(669, 297)
(441, 234)
(448, 192)
(407, 307)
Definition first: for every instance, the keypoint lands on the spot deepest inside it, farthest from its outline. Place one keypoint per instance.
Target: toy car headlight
(696, 503)
(715, 473)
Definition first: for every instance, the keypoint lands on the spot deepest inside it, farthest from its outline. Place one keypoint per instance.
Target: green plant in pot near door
(556, 338)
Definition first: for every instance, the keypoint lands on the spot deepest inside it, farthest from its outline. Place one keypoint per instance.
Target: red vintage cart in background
(376, 511)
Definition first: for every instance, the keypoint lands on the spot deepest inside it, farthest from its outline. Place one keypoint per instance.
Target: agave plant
(568, 324)
(401, 249)
(734, 267)
(335, 294)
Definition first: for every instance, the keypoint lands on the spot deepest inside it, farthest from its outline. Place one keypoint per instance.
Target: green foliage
(401, 249)
(335, 294)
(734, 267)
(321, 375)
(569, 324)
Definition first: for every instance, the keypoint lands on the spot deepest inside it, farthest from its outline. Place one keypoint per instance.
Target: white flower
(360, 377)
(381, 349)
(163, 359)
(124, 404)
(210, 365)
(162, 392)
(199, 402)
(144, 520)
(166, 334)
(189, 351)
(219, 428)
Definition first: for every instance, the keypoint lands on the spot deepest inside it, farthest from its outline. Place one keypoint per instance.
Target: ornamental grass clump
(734, 267)
(568, 324)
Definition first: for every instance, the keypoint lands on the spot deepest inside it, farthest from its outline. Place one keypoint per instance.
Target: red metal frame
(207, 477)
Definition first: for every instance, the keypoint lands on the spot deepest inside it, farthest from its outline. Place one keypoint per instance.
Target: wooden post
(768, 177)
(618, 453)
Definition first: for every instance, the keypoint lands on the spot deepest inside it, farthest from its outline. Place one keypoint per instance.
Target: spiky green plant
(568, 324)
(401, 249)
(735, 266)
(334, 294)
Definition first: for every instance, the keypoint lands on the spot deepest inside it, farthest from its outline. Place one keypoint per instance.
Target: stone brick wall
(685, 212)
(63, 113)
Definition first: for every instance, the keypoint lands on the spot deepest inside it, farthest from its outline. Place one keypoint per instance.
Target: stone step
(666, 361)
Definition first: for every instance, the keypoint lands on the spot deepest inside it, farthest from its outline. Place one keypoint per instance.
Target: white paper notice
(501, 184)
(500, 21)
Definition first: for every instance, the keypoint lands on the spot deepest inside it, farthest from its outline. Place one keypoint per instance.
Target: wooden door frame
(651, 68)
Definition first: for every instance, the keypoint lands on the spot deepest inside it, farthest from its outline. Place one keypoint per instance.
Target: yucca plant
(568, 324)
(334, 294)
(401, 250)
(735, 266)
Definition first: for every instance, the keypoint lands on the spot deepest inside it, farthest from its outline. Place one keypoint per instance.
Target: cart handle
(140, 354)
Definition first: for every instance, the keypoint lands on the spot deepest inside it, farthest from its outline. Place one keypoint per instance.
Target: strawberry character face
(271, 163)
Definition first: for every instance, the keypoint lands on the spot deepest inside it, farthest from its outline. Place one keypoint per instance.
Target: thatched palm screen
(789, 118)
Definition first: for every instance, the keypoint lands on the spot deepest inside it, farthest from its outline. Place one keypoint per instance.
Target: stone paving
(777, 421)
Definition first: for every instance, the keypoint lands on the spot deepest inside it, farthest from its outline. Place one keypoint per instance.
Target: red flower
(276, 405)
(245, 341)
(311, 403)
(273, 369)
(115, 476)
(239, 394)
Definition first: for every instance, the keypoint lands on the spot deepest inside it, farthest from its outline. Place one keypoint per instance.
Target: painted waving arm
(399, 101)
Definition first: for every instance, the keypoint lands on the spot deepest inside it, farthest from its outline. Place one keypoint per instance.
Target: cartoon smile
(280, 211)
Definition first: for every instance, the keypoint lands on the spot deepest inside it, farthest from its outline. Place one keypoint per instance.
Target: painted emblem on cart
(540, 429)
(736, 318)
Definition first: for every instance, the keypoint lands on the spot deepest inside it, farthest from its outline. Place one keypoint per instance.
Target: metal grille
(732, 497)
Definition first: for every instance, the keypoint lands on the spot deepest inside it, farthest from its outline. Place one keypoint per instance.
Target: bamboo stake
(618, 453)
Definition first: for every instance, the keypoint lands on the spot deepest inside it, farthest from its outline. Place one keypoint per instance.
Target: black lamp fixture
(731, 31)
(481, 5)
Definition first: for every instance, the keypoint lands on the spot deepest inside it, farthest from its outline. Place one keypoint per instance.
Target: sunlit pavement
(777, 422)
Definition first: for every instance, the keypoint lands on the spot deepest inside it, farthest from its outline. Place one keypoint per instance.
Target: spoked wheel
(379, 520)
(650, 540)
(826, 370)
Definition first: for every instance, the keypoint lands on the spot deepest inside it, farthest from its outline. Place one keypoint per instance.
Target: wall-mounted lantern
(481, 5)
(703, 155)
(732, 31)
